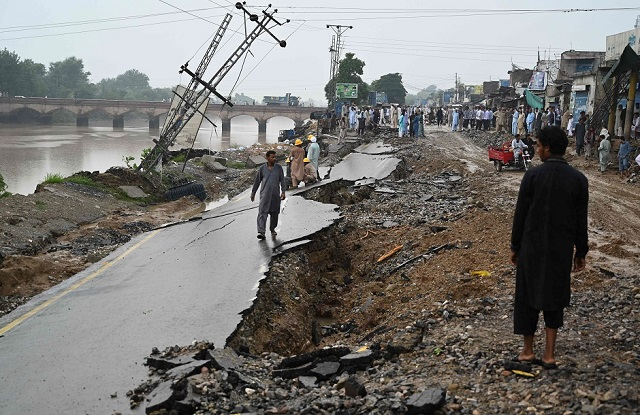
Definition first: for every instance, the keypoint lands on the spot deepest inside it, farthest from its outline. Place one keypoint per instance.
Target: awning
(533, 100)
(628, 61)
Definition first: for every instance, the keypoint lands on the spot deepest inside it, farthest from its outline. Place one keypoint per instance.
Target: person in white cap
(313, 151)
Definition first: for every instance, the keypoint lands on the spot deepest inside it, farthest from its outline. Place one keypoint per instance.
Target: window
(584, 65)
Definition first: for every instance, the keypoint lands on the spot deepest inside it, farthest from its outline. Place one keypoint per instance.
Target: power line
(340, 10)
(185, 11)
(327, 10)
(93, 21)
(477, 51)
(124, 27)
(404, 42)
(463, 58)
(415, 14)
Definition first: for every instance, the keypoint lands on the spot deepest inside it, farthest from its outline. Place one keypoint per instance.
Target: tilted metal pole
(172, 127)
(184, 113)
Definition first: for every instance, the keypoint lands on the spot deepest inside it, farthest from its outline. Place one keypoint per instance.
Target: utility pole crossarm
(190, 101)
(257, 31)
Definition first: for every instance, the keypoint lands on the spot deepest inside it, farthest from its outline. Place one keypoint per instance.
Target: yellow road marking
(76, 285)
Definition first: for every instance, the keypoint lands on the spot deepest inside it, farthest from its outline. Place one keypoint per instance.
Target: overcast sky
(427, 42)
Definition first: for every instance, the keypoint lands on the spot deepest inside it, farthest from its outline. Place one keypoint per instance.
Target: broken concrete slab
(357, 166)
(361, 358)
(376, 148)
(187, 370)
(163, 363)
(162, 397)
(292, 372)
(427, 401)
(133, 191)
(255, 161)
(225, 359)
(298, 360)
(211, 163)
(325, 370)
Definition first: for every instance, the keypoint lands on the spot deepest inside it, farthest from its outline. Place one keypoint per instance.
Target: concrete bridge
(84, 109)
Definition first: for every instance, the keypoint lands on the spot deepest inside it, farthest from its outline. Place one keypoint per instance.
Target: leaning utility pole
(336, 50)
(191, 99)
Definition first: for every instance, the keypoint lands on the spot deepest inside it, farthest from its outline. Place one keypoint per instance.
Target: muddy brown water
(29, 153)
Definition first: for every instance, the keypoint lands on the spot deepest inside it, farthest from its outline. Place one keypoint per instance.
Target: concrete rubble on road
(297, 384)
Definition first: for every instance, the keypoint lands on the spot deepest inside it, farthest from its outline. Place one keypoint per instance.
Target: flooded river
(29, 153)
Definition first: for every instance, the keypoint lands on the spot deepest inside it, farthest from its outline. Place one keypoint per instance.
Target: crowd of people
(522, 122)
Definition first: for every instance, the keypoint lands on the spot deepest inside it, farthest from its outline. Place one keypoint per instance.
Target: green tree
(350, 70)
(68, 79)
(430, 94)
(131, 85)
(9, 72)
(391, 84)
(32, 79)
(21, 77)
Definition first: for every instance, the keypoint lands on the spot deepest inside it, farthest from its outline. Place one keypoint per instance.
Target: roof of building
(629, 60)
(582, 54)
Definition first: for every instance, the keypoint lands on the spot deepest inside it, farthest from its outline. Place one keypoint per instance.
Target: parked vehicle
(286, 100)
(286, 135)
(502, 156)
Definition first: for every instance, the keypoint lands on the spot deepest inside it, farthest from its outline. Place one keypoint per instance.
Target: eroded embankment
(302, 285)
(297, 300)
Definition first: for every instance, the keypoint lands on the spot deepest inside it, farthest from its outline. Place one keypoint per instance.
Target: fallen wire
(432, 250)
(367, 234)
(379, 330)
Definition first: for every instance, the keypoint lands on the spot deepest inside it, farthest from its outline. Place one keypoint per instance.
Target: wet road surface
(73, 347)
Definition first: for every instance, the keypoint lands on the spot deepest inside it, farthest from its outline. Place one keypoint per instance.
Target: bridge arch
(154, 110)
(23, 115)
(262, 122)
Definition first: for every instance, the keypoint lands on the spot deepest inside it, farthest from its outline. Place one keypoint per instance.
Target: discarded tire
(178, 192)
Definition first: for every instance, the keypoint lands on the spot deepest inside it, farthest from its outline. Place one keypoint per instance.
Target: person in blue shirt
(623, 156)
